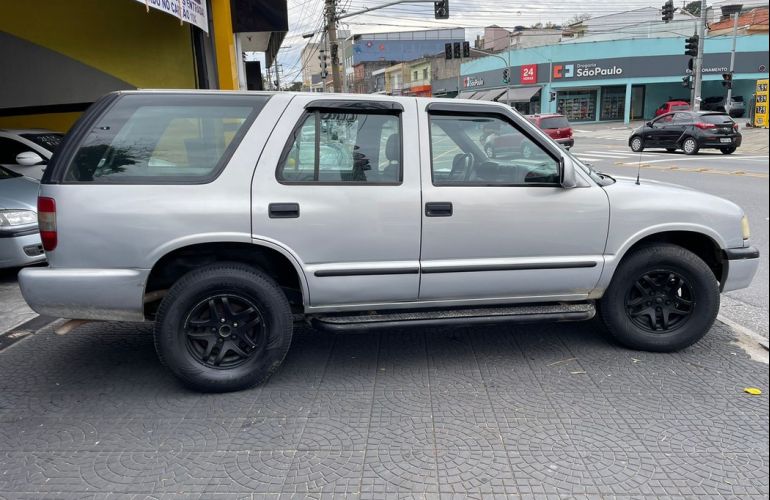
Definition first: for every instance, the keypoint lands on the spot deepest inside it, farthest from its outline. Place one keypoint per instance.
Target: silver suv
(226, 217)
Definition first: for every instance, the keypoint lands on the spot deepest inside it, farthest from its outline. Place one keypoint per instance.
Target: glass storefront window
(577, 105)
(613, 103)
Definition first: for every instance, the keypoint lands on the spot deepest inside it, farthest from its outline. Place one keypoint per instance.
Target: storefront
(617, 83)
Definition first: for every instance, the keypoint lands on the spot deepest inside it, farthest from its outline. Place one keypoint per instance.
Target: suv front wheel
(223, 327)
(662, 298)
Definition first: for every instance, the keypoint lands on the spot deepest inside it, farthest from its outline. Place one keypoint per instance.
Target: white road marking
(702, 158)
(585, 158)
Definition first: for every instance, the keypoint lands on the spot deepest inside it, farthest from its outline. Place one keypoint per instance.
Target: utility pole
(729, 101)
(698, 66)
(331, 31)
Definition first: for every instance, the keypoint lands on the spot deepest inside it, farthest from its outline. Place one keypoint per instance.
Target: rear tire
(637, 144)
(690, 146)
(228, 307)
(662, 298)
(728, 151)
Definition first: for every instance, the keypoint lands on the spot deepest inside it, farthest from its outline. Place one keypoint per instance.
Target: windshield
(49, 141)
(555, 122)
(717, 118)
(7, 174)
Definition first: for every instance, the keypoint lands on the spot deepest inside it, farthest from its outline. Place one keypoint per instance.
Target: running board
(539, 313)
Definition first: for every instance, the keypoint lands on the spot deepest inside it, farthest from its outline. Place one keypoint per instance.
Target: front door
(338, 187)
(655, 135)
(503, 228)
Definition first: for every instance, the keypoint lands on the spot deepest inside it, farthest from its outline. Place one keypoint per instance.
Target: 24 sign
(529, 73)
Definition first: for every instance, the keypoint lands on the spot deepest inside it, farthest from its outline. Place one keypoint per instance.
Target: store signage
(473, 81)
(189, 11)
(760, 104)
(584, 70)
(529, 73)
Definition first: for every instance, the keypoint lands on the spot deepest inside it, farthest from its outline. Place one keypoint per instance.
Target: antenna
(638, 168)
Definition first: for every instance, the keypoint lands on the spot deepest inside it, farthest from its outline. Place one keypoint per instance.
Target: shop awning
(490, 95)
(520, 94)
(466, 94)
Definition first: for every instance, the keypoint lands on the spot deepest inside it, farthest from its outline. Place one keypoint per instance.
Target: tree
(577, 19)
(693, 8)
(295, 87)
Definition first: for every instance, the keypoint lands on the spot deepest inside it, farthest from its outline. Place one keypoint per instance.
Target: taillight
(46, 221)
(704, 126)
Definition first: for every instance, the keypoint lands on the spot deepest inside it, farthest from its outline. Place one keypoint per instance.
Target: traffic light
(441, 9)
(447, 51)
(458, 50)
(691, 46)
(466, 49)
(687, 81)
(727, 80)
(691, 64)
(322, 57)
(506, 75)
(667, 13)
(334, 52)
(552, 96)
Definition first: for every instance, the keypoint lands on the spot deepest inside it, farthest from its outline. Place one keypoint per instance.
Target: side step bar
(539, 313)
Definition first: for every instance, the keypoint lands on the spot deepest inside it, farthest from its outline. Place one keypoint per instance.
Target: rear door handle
(283, 210)
(438, 209)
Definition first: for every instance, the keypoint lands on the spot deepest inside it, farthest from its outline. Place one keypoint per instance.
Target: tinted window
(678, 107)
(486, 151)
(47, 141)
(716, 118)
(9, 149)
(146, 138)
(554, 122)
(663, 120)
(337, 148)
(738, 98)
(682, 118)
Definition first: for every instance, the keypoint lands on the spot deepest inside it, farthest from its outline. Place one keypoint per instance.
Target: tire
(639, 323)
(690, 146)
(671, 150)
(189, 337)
(728, 151)
(489, 150)
(637, 144)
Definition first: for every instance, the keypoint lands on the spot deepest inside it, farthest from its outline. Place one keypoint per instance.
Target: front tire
(690, 146)
(662, 298)
(223, 327)
(637, 144)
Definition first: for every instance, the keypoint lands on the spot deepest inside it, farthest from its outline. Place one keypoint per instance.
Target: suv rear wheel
(662, 298)
(223, 327)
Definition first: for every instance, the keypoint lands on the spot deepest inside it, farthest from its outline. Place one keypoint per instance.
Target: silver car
(225, 217)
(19, 239)
(27, 151)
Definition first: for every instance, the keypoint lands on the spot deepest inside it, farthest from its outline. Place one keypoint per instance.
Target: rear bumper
(739, 267)
(17, 251)
(715, 142)
(567, 142)
(100, 294)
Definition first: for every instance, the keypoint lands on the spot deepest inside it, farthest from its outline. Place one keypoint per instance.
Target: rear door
(675, 130)
(338, 187)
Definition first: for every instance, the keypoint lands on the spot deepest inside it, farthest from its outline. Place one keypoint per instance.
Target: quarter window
(334, 148)
(487, 151)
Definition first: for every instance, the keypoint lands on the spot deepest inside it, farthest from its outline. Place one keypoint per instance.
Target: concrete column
(598, 109)
(627, 105)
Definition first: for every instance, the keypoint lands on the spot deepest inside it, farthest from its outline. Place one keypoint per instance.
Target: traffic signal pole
(698, 66)
(331, 30)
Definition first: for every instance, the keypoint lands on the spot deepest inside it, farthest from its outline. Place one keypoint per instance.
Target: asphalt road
(741, 177)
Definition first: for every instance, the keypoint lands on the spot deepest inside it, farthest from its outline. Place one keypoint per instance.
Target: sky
(305, 16)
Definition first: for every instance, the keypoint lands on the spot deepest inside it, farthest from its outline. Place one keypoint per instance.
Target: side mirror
(649, 124)
(29, 159)
(567, 177)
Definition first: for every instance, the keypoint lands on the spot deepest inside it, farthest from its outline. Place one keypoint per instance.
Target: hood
(19, 192)
(643, 181)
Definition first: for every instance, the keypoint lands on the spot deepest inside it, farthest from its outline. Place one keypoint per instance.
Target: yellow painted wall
(148, 50)
(224, 43)
(59, 122)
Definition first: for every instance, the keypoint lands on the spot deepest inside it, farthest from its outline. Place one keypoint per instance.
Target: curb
(759, 339)
(22, 331)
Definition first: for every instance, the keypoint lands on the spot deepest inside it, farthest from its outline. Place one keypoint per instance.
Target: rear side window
(163, 138)
(716, 118)
(343, 148)
(555, 122)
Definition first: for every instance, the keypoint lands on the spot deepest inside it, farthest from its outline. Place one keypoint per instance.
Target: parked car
(19, 237)
(670, 106)
(556, 126)
(27, 151)
(717, 103)
(237, 232)
(689, 131)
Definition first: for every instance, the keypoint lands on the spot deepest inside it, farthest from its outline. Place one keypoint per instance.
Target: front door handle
(283, 210)
(438, 209)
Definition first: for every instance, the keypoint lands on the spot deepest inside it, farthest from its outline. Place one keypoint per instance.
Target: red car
(556, 126)
(669, 106)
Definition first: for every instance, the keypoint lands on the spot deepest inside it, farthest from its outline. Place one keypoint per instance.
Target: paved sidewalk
(13, 309)
(528, 412)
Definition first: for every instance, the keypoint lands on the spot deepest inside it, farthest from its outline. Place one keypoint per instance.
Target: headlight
(10, 218)
(745, 228)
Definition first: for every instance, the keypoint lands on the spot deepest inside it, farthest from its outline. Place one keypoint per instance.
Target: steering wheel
(471, 163)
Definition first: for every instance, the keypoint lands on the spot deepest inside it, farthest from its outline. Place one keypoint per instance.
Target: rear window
(555, 122)
(716, 118)
(679, 107)
(163, 138)
(48, 141)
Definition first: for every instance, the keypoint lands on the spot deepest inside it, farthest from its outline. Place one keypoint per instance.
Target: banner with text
(189, 11)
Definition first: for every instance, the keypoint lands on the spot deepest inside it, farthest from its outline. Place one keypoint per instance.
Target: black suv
(689, 131)
(717, 103)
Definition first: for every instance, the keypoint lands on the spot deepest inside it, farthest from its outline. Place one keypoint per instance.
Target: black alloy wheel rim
(224, 331)
(660, 301)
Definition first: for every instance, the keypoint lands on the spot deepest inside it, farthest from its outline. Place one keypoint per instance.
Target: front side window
(173, 138)
(335, 148)
(487, 151)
